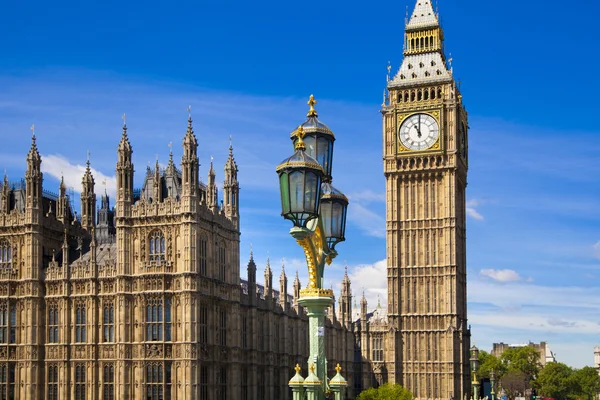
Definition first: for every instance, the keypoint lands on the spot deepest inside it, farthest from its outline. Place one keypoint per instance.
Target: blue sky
(527, 72)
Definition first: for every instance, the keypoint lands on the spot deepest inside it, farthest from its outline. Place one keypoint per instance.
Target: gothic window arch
(53, 319)
(158, 381)
(108, 382)
(8, 322)
(203, 256)
(80, 323)
(108, 322)
(80, 382)
(222, 327)
(7, 380)
(222, 261)
(158, 319)
(378, 348)
(5, 254)
(52, 382)
(157, 246)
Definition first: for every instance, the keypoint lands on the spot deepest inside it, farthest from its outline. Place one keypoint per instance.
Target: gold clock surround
(401, 117)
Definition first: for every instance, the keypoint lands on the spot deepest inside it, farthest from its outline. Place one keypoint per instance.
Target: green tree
(525, 359)
(386, 392)
(555, 380)
(585, 383)
(488, 362)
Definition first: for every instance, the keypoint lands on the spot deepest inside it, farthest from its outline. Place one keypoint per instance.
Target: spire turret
(283, 288)
(62, 203)
(34, 178)
(88, 199)
(231, 189)
(213, 193)
(124, 174)
(190, 167)
(297, 287)
(363, 307)
(252, 278)
(5, 196)
(268, 280)
(346, 300)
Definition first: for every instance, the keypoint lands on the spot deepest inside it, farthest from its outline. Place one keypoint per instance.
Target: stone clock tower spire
(425, 165)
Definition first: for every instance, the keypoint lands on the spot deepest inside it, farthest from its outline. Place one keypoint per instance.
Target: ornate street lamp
(318, 211)
(492, 384)
(474, 367)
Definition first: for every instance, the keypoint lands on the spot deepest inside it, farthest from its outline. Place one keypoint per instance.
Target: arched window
(80, 382)
(158, 320)
(203, 256)
(52, 386)
(80, 323)
(5, 254)
(158, 381)
(222, 262)
(157, 246)
(53, 323)
(8, 323)
(108, 322)
(7, 380)
(108, 388)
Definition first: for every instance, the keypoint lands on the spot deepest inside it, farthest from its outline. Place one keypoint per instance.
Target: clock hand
(419, 128)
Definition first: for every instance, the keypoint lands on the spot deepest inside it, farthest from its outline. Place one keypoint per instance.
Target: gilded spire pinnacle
(300, 135)
(311, 102)
(32, 128)
(298, 369)
(124, 118)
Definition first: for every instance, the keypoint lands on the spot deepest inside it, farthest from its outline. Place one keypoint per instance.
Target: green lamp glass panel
(284, 188)
(311, 190)
(323, 154)
(296, 191)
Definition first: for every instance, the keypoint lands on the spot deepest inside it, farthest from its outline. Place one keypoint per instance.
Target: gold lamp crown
(298, 368)
(311, 102)
(300, 135)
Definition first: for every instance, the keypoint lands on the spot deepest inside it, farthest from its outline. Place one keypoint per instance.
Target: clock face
(419, 132)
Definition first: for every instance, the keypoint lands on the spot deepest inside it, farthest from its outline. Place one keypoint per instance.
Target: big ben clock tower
(425, 155)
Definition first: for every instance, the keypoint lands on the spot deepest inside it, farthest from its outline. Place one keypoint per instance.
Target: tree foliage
(525, 359)
(585, 383)
(386, 392)
(489, 362)
(555, 380)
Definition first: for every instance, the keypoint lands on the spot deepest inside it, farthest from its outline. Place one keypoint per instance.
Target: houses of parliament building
(144, 300)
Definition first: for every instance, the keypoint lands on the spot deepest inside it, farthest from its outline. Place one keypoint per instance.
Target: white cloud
(367, 196)
(597, 249)
(372, 278)
(367, 220)
(471, 211)
(58, 166)
(501, 275)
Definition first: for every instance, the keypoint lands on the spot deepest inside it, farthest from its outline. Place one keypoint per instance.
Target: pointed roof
(211, 170)
(251, 263)
(346, 278)
(190, 139)
(423, 16)
(33, 154)
(230, 164)
(297, 280)
(283, 275)
(87, 176)
(124, 145)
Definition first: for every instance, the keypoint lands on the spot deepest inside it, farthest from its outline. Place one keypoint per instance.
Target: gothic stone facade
(144, 301)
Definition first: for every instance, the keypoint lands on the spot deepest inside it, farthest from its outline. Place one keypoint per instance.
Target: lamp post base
(316, 302)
